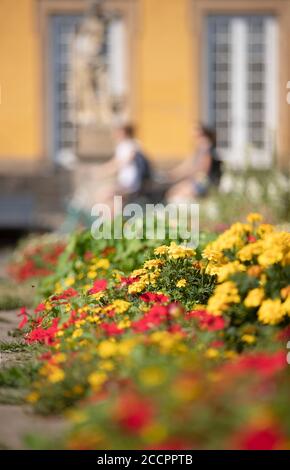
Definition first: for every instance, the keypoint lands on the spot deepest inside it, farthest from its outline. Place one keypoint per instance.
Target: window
(66, 118)
(241, 91)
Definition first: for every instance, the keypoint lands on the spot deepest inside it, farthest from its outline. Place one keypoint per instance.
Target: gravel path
(17, 421)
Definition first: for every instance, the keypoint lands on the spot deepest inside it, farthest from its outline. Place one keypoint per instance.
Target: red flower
(42, 335)
(207, 321)
(107, 251)
(156, 315)
(217, 344)
(99, 286)
(24, 316)
(284, 335)
(39, 308)
(45, 356)
(265, 364)
(152, 297)
(252, 239)
(127, 281)
(88, 255)
(259, 438)
(133, 412)
(176, 329)
(111, 329)
(68, 293)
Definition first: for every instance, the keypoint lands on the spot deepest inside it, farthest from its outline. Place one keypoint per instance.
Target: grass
(11, 396)
(18, 376)
(14, 347)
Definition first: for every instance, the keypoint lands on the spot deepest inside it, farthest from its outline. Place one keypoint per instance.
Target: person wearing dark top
(196, 175)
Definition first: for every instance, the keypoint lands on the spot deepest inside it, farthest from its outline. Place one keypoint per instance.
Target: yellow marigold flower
(269, 257)
(264, 229)
(212, 353)
(58, 288)
(248, 252)
(254, 297)
(59, 358)
(102, 264)
(178, 251)
(286, 306)
(215, 256)
(167, 341)
(126, 346)
(77, 333)
(271, 312)
(126, 323)
(33, 397)
(254, 271)
(152, 376)
(225, 271)
(138, 286)
(69, 281)
(153, 263)
(97, 379)
(138, 272)
(181, 283)
(275, 249)
(97, 296)
(117, 275)
(212, 269)
(233, 238)
(230, 354)
(249, 339)
(120, 306)
(92, 274)
(254, 217)
(285, 292)
(107, 365)
(152, 277)
(224, 295)
(107, 348)
(56, 375)
(161, 250)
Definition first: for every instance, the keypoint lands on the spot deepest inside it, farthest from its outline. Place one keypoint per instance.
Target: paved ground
(16, 421)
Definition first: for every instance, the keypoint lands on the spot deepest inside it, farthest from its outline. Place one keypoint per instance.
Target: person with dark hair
(129, 165)
(195, 176)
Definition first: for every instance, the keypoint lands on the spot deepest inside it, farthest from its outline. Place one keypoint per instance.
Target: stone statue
(89, 74)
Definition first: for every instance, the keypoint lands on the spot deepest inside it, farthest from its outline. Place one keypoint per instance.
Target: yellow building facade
(166, 49)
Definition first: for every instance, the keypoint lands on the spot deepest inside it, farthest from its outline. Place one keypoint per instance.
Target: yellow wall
(165, 95)
(164, 86)
(20, 126)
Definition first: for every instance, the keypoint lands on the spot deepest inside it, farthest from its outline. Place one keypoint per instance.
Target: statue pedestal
(94, 142)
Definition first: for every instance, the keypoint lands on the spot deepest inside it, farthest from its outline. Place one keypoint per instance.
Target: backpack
(143, 166)
(215, 172)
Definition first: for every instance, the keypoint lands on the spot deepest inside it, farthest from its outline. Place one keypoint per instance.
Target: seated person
(194, 177)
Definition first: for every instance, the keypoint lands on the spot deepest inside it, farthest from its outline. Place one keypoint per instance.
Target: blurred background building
(71, 69)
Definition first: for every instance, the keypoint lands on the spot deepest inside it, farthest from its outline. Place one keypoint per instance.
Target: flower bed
(187, 351)
(36, 257)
